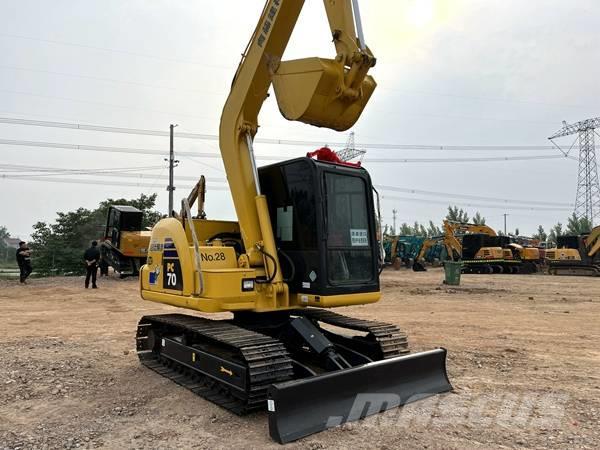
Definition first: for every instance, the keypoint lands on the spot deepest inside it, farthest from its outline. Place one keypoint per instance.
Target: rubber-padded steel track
(570, 268)
(265, 358)
(391, 340)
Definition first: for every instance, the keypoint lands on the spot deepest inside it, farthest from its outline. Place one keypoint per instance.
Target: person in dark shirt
(24, 261)
(91, 257)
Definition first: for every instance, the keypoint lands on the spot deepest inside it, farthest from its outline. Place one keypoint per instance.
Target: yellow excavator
(451, 244)
(575, 255)
(481, 250)
(306, 241)
(476, 257)
(125, 244)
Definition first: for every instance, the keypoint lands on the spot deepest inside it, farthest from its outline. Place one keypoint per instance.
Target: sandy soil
(523, 357)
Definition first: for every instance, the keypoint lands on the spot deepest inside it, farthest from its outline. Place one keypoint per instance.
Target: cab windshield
(349, 251)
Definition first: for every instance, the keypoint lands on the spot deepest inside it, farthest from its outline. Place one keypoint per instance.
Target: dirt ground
(523, 357)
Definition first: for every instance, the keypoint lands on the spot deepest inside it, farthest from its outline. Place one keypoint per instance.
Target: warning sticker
(359, 237)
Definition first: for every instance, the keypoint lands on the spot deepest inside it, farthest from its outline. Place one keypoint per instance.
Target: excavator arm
(427, 244)
(464, 227)
(299, 87)
(197, 194)
(453, 245)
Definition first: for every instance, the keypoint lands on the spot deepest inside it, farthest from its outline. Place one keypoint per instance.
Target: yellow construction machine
(481, 250)
(451, 244)
(125, 244)
(476, 256)
(308, 241)
(486, 252)
(575, 255)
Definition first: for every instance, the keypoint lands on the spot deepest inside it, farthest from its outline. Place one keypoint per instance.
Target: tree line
(454, 214)
(574, 226)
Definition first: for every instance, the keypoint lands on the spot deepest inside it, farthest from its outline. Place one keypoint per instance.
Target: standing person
(91, 257)
(24, 261)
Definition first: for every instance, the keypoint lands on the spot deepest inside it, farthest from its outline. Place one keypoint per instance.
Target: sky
(449, 73)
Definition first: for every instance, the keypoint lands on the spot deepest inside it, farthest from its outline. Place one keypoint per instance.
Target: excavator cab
(122, 218)
(125, 244)
(323, 218)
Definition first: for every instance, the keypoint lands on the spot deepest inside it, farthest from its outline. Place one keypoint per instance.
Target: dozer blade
(302, 407)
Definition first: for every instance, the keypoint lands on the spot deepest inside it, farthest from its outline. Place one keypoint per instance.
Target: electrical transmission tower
(350, 151)
(587, 202)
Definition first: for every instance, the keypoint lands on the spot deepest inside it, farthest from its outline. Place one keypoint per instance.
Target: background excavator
(451, 245)
(125, 244)
(305, 240)
(575, 254)
(401, 250)
(481, 250)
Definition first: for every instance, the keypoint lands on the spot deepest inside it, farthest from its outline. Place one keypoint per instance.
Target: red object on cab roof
(326, 154)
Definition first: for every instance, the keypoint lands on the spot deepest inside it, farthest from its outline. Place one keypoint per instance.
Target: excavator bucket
(302, 407)
(310, 90)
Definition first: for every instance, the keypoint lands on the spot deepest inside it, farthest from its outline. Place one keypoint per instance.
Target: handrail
(197, 259)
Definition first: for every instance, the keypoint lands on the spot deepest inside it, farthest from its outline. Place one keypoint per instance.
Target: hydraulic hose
(292, 266)
(272, 277)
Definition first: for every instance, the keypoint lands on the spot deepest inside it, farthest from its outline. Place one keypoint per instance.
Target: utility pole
(394, 212)
(505, 224)
(172, 164)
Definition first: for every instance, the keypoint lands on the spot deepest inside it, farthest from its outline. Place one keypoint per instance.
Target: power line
(113, 50)
(110, 105)
(475, 98)
(113, 172)
(226, 189)
(468, 196)
(472, 205)
(123, 174)
(112, 80)
(99, 148)
(232, 69)
(304, 143)
(47, 171)
(100, 182)
(463, 160)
